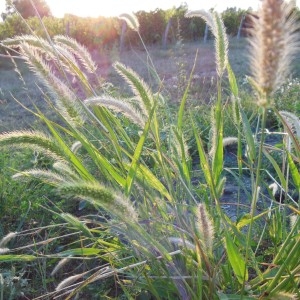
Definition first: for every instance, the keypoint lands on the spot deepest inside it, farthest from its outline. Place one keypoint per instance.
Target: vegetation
(134, 189)
(99, 33)
(26, 8)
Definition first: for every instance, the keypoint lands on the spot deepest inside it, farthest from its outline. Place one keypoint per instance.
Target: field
(163, 184)
(173, 66)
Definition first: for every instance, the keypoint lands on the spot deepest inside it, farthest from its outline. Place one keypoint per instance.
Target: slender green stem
(150, 59)
(255, 189)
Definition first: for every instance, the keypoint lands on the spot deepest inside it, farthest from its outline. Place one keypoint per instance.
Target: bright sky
(94, 8)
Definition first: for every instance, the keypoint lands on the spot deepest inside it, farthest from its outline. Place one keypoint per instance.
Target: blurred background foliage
(158, 27)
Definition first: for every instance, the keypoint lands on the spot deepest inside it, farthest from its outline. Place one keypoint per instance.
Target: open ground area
(173, 66)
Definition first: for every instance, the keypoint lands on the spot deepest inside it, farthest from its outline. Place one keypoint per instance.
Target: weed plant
(149, 215)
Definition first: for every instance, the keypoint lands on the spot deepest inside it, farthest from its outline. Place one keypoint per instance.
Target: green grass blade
(249, 137)
(14, 258)
(68, 153)
(79, 252)
(237, 261)
(203, 160)
(76, 223)
(294, 172)
(232, 81)
(101, 161)
(185, 97)
(277, 168)
(137, 154)
(290, 262)
(183, 164)
(145, 175)
(218, 157)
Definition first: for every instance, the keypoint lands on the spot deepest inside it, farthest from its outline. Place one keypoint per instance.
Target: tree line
(159, 27)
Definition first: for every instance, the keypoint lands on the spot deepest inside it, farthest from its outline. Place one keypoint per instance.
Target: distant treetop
(26, 9)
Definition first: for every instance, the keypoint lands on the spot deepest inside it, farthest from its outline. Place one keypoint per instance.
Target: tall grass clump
(148, 217)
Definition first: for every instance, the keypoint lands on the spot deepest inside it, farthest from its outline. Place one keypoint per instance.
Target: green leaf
(236, 260)
(183, 159)
(184, 98)
(247, 219)
(218, 157)
(73, 221)
(294, 171)
(137, 154)
(68, 153)
(276, 167)
(249, 137)
(203, 159)
(11, 258)
(146, 175)
(79, 252)
(232, 81)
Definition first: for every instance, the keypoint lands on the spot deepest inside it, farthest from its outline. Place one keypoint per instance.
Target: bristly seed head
(274, 43)
(205, 227)
(6, 239)
(131, 20)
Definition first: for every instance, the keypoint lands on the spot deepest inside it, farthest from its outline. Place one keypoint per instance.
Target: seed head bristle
(216, 25)
(131, 20)
(273, 44)
(119, 106)
(205, 227)
(229, 141)
(7, 238)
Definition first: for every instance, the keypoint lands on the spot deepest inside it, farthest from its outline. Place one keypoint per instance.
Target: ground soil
(173, 65)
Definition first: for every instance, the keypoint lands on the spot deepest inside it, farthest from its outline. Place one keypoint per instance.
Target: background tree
(232, 19)
(26, 9)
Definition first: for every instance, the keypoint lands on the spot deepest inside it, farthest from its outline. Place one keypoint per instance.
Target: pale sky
(94, 8)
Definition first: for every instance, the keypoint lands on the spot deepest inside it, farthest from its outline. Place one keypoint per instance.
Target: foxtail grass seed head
(216, 25)
(273, 44)
(293, 221)
(131, 21)
(79, 50)
(231, 140)
(205, 227)
(179, 242)
(68, 281)
(6, 239)
(292, 121)
(274, 188)
(46, 176)
(97, 194)
(76, 146)
(119, 106)
(284, 296)
(60, 264)
(3, 251)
